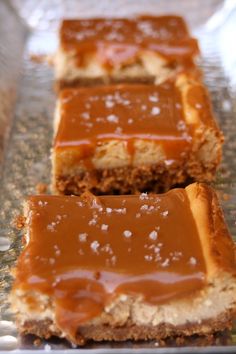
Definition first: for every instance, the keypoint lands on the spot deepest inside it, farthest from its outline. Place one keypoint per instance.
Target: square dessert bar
(145, 48)
(125, 267)
(127, 138)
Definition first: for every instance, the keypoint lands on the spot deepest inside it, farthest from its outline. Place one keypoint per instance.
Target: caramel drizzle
(118, 42)
(123, 112)
(85, 252)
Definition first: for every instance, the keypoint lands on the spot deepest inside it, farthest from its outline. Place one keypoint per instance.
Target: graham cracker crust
(127, 180)
(131, 331)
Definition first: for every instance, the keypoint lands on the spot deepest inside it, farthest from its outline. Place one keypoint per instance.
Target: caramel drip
(118, 42)
(85, 252)
(89, 117)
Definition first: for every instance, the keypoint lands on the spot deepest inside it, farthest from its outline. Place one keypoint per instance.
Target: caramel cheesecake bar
(145, 48)
(125, 267)
(127, 138)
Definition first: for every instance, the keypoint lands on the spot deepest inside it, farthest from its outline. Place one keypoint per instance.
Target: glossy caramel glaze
(116, 42)
(89, 116)
(84, 252)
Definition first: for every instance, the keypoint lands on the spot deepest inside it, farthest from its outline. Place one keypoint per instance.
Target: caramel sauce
(91, 116)
(85, 252)
(118, 42)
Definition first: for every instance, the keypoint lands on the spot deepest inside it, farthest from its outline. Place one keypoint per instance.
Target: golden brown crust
(218, 246)
(131, 331)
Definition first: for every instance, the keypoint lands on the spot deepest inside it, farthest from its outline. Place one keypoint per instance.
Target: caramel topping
(86, 252)
(123, 112)
(119, 41)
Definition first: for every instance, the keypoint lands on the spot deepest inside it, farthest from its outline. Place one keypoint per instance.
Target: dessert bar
(120, 139)
(125, 267)
(148, 49)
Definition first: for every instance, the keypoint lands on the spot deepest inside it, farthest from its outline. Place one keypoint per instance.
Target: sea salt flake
(148, 258)
(104, 227)
(153, 98)
(113, 260)
(165, 213)
(143, 196)
(109, 104)
(94, 246)
(192, 261)
(155, 111)
(109, 210)
(144, 207)
(153, 235)
(120, 210)
(92, 222)
(41, 203)
(112, 118)
(50, 227)
(127, 233)
(83, 237)
(85, 115)
(165, 263)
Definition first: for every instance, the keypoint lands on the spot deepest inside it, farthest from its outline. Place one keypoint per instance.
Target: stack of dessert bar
(116, 261)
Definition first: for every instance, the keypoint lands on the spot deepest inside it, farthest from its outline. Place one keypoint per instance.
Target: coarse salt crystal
(148, 258)
(144, 207)
(108, 210)
(50, 227)
(166, 263)
(92, 222)
(155, 111)
(153, 235)
(120, 210)
(94, 246)
(85, 115)
(153, 98)
(192, 261)
(83, 237)
(165, 213)
(41, 203)
(127, 233)
(104, 227)
(112, 118)
(143, 196)
(109, 104)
